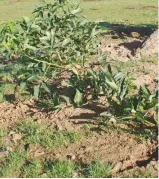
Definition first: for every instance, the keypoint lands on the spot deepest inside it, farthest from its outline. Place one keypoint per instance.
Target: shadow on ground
(122, 29)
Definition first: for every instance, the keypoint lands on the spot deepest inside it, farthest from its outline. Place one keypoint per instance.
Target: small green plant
(97, 170)
(41, 135)
(12, 164)
(60, 169)
(141, 113)
(32, 169)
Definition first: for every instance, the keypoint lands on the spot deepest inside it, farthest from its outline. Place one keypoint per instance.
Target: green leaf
(74, 70)
(65, 42)
(22, 76)
(27, 46)
(36, 90)
(112, 85)
(22, 86)
(109, 69)
(67, 99)
(83, 22)
(32, 78)
(26, 19)
(44, 86)
(78, 99)
(123, 93)
(119, 76)
(76, 11)
(43, 66)
(65, 83)
(44, 39)
(106, 113)
(145, 90)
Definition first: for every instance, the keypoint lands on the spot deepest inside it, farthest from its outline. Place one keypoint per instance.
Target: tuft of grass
(12, 164)
(7, 92)
(60, 169)
(97, 170)
(32, 169)
(47, 137)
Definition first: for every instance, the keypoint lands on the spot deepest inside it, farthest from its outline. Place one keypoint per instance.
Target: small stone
(115, 37)
(75, 175)
(57, 156)
(71, 157)
(148, 165)
(44, 175)
(38, 154)
(3, 154)
(153, 163)
(59, 126)
(117, 167)
(88, 149)
(16, 137)
(135, 34)
(156, 166)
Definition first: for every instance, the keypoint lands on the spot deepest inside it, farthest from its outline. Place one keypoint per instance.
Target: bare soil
(123, 150)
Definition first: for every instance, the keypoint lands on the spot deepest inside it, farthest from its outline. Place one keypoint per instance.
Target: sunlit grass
(115, 11)
(37, 134)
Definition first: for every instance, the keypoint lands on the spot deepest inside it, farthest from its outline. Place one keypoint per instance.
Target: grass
(3, 133)
(60, 169)
(12, 164)
(6, 91)
(143, 12)
(65, 169)
(18, 164)
(97, 170)
(47, 137)
(32, 169)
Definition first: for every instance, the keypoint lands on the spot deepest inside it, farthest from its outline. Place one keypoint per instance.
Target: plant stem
(41, 61)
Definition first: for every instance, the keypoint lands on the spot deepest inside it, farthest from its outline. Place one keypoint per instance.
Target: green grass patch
(12, 164)
(47, 137)
(32, 169)
(97, 170)
(7, 92)
(143, 12)
(65, 169)
(60, 169)
(19, 164)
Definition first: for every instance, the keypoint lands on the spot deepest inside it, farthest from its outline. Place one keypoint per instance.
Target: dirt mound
(67, 118)
(123, 44)
(101, 147)
(150, 47)
(119, 50)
